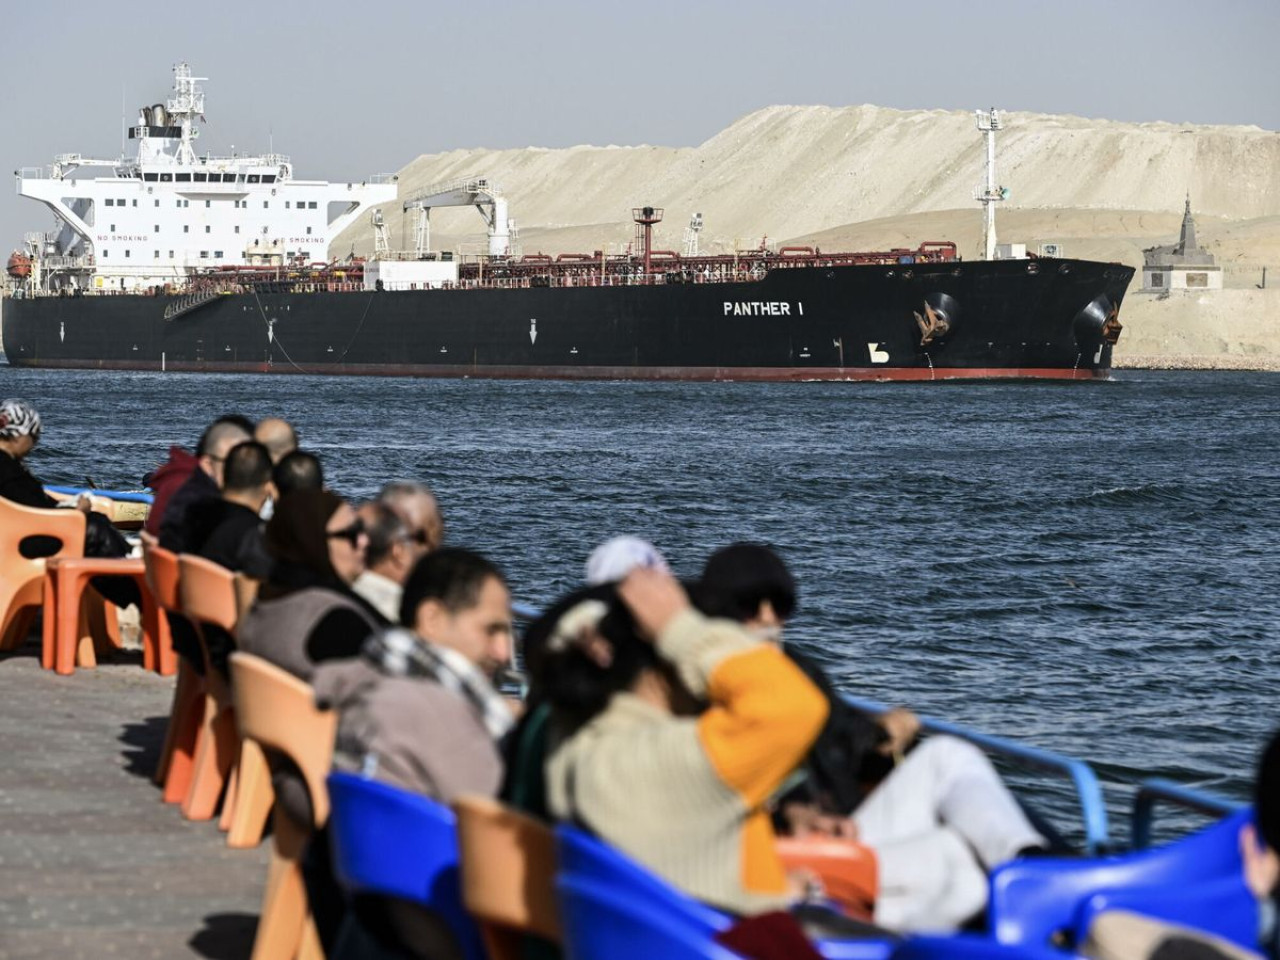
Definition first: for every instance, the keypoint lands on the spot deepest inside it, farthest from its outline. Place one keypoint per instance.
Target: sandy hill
(792, 172)
(868, 177)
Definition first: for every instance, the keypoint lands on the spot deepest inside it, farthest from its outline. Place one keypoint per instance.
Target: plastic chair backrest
(1034, 899)
(278, 711)
(21, 578)
(605, 921)
(969, 947)
(584, 858)
(394, 843)
(508, 867)
(1225, 907)
(162, 573)
(207, 592)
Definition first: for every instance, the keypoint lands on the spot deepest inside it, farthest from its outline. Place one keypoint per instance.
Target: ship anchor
(1112, 326)
(933, 325)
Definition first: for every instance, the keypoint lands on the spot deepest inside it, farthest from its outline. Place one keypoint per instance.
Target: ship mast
(989, 122)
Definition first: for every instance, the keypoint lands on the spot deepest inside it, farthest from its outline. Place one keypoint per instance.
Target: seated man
(234, 538)
(925, 813)
(679, 788)
(177, 532)
(418, 708)
(169, 477)
(403, 524)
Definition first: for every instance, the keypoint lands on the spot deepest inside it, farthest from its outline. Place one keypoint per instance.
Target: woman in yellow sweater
(681, 727)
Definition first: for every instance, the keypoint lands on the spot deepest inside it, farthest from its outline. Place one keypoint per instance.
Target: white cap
(615, 558)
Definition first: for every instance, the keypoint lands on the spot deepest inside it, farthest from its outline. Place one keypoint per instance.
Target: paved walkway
(92, 864)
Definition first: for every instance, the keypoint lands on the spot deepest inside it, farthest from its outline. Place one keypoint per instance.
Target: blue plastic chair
(586, 861)
(971, 948)
(1035, 900)
(608, 923)
(1224, 907)
(394, 843)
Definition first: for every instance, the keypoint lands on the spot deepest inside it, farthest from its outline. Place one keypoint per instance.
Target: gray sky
(348, 89)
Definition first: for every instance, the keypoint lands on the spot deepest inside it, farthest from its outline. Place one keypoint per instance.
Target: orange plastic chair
(508, 875)
(277, 711)
(69, 640)
(848, 870)
(208, 596)
(22, 580)
(177, 755)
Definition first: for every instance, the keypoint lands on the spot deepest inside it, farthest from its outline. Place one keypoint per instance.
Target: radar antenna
(989, 122)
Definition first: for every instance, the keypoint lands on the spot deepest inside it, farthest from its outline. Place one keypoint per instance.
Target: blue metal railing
(124, 496)
(1093, 810)
(1152, 791)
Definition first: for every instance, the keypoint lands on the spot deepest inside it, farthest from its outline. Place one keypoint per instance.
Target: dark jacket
(17, 484)
(232, 537)
(178, 531)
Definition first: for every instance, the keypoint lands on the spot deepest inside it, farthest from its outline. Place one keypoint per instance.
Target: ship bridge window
(201, 177)
(217, 254)
(113, 228)
(126, 253)
(311, 205)
(166, 178)
(150, 177)
(110, 202)
(155, 254)
(204, 254)
(206, 204)
(266, 204)
(157, 228)
(135, 203)
(268, 178)
(286, 204)
(183, 178)
(254, 178)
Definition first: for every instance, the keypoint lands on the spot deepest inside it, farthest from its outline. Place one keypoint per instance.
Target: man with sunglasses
(403, 525)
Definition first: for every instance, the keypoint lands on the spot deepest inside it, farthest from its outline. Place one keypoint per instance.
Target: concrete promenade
(92, 863)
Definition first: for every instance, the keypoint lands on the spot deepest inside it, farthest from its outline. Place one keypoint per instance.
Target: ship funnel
(146, 117)
(158, 114)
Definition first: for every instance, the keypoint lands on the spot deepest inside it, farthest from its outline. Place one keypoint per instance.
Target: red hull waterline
(497, 372)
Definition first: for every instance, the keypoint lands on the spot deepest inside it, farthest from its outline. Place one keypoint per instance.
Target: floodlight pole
(989, 122)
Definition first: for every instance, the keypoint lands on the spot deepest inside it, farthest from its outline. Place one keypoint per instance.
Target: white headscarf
(19, 419)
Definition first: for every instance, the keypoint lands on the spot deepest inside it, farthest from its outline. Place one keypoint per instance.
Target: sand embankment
(867, 177)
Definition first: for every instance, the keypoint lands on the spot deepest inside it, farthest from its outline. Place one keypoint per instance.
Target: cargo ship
(176, 260)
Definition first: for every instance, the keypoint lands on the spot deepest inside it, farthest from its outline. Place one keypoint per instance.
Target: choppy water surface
(1088, 567)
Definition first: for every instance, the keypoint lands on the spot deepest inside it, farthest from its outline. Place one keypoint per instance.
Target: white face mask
(772, 634)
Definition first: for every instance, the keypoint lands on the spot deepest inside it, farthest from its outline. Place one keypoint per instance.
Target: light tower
(645, 218)
(691, 235)
(989, 122)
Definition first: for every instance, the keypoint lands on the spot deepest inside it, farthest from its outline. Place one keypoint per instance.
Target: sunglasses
(351, 534)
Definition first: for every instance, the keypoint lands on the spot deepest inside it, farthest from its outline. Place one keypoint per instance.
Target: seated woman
(20, 428)
(306, 613)
(675, 731)
(935, 816)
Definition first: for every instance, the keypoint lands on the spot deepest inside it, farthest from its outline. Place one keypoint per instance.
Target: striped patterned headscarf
(19, 419)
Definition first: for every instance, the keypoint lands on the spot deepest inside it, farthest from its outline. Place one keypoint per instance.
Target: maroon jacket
(165, 480)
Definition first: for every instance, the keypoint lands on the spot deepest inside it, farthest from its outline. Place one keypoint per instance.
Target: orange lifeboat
(19, 265)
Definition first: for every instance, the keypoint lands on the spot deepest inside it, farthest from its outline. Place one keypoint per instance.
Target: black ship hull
(1010, 318)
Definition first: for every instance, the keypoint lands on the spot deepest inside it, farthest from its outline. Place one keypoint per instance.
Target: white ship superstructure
(171, 213)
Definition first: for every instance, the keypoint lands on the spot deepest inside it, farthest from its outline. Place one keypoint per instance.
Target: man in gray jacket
(418, 708)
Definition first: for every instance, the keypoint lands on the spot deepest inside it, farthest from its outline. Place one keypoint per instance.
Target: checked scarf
(399, 653)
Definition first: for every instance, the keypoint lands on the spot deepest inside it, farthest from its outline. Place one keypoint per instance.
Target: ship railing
(1093, 809)
(1159, 790)
(31, 173)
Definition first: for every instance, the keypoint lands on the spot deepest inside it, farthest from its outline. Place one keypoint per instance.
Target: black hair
(218, 429)
(739, 577)
(247, 467)
(384, 530)
(297, 470)
(575, 685)
(453, 576)
(1267, 794)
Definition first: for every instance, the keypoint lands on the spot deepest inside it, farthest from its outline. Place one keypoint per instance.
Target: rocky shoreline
(1223, 362)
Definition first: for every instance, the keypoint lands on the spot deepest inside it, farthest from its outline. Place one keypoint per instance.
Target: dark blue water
(1088, 567)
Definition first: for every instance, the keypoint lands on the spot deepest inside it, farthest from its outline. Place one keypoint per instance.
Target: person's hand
(1261, 863)
(902, 726)
(84, 503)
(654, 597)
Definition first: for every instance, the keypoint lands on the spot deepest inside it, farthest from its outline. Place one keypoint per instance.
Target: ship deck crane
(475, 192)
